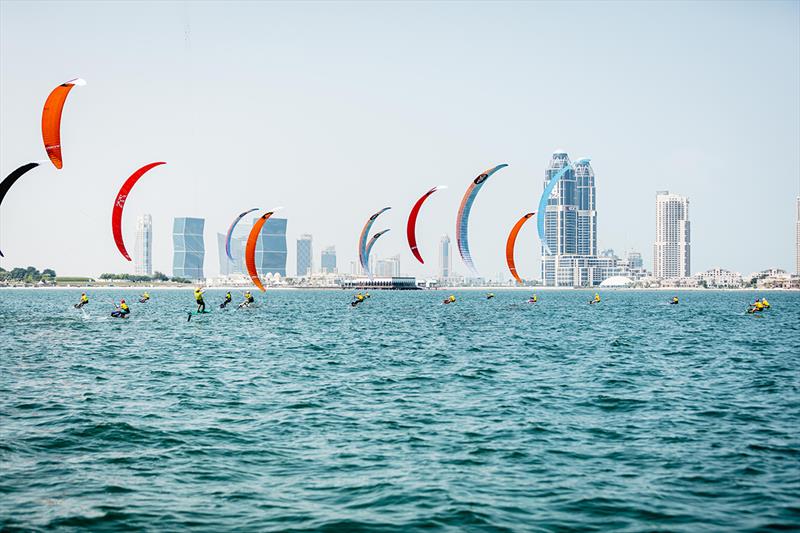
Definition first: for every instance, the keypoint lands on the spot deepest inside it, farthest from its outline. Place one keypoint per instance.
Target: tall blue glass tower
(271, 247)
(570, 226)
(188, 248)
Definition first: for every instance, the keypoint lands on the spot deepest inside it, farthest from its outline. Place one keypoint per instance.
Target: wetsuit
(122, 312)
(201, 304)
(228, 299)
(248, 299)
(84, 301)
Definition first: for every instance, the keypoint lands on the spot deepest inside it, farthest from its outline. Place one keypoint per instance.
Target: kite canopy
(230, 231)
(369, 249)
(462, 219)
(6, 184)
(250, 249)
(51, 119)
(548, 190)
(362, 240)
(512, 240)
(411, 227)
(119, 204)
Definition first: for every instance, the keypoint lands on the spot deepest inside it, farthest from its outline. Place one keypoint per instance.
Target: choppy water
(402, 414)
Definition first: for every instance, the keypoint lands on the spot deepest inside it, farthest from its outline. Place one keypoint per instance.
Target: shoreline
(190, 287)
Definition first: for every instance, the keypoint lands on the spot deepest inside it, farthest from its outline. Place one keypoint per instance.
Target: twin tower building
(570, 257)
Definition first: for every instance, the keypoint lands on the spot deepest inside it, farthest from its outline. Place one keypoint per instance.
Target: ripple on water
(401, 414)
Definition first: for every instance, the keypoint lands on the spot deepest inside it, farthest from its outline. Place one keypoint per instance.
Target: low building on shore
(719, 278)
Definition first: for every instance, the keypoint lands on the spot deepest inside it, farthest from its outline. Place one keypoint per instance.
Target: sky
(334, 110)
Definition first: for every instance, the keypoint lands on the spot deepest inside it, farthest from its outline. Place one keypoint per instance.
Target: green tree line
(27, 275)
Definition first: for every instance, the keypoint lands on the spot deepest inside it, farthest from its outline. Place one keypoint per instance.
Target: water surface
(401, 414)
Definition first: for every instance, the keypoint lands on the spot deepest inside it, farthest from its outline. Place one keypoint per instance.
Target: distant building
(719, 278)
(226, 266)
(143, 248)
(305, 255)
(671, 251)
(271, 247)
(388, 268)
(327, 261)
(635, 260)
(188, 248)
(797, 240)
(445, 258)
(569, 253)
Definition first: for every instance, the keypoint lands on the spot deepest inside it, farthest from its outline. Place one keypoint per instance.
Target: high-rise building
(271, 247)
(797, 239)
(143, 248)
(188, 248)
(328, 260)
(586, 213)
(671, 251)
(635, 260)
(445, 258)
(388, 268)
(569, 253)
(305, 256)
(226, 266)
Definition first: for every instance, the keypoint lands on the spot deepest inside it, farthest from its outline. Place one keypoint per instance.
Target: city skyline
(644, 126)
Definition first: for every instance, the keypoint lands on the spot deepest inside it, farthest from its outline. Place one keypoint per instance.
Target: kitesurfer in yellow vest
(228, 299)
(248, 299)
(674, 300)
(122, 310)
(144, 298)
(489, 296)
(84, 301)
(450, 300)
(596, 299)
(198, 297)
(765, 303)
(533, 299)
(357, 299)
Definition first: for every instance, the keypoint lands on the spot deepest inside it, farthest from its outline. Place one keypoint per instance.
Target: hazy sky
(334, 110)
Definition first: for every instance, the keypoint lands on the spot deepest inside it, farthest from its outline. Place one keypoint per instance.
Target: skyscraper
(388, 268)
(569, 254)
(586, 214)
(143, 248)
(188, 248)
(671, 251)
(271, 247)
(445, 259)
(328, 260)
(561, 213)
(305, 255)
(226, 266)
(797, 239)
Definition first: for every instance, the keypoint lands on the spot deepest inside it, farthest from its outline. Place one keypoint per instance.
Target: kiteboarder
(449, 300)
(228, 299)
(756, 307)
(674, 300)
(198, 297)
(489, 296)
(122, 310)
(84, 301)
(144, 298)
(533, 299)
(248, 300)
(596, 299)
(765, 303)
(357, 299)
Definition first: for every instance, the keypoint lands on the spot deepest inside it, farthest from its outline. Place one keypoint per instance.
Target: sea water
(400, 414)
